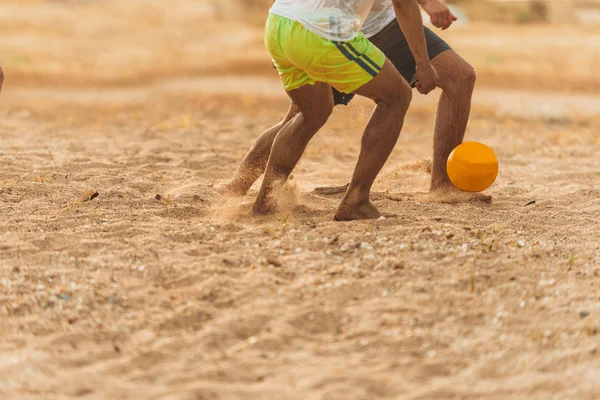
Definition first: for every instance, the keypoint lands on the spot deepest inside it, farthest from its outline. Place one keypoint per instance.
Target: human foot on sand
(231, 189)
(350, 212)
(452, 195)
(264, 205)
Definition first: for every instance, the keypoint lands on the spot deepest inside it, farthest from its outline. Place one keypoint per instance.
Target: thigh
(388, 86)
(292, 112)
(312, 101)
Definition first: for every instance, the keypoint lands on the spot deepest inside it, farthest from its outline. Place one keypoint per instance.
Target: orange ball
(472, 167)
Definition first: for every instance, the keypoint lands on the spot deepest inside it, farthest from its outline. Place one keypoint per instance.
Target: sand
(161, 288)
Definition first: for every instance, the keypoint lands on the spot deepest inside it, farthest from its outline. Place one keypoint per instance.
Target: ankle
(356, 197)
(442, 183)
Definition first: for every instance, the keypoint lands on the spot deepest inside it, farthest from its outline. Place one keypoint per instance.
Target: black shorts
(393, 43)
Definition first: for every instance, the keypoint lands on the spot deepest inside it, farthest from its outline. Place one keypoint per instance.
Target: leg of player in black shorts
(456, 79)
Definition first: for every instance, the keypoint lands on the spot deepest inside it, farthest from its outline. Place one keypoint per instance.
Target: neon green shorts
(304, 58)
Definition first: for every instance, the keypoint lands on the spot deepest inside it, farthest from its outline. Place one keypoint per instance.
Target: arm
(409, 18)
(439, 13)
(378, 5)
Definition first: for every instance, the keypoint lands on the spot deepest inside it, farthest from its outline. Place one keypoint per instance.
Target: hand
(439, 14)
(426, 78)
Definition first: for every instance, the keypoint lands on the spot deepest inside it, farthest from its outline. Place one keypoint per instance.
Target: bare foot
(348, 212)
(264, 206)
(232, 190)
(453, 195)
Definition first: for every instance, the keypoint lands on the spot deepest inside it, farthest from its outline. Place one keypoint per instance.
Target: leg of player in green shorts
(315, 103)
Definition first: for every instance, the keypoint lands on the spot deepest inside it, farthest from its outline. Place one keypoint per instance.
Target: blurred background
(537, 44)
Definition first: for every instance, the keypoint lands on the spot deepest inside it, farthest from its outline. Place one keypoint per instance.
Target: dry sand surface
(184, 295)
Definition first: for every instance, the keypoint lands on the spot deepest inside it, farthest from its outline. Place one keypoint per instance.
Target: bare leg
(393, 96)
(315, 104)
(254, 163)
(1, 78)
(457, 80)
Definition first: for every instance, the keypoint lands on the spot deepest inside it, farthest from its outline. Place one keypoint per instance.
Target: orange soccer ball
(472, 167)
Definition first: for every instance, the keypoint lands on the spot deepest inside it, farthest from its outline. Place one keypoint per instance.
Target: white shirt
(382, 14)
(339, 20)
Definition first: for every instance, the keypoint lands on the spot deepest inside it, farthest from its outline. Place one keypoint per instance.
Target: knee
(400, 97)
(468, 76)
(405, 96)
(292, 112)
(318, 116)
(464, 80)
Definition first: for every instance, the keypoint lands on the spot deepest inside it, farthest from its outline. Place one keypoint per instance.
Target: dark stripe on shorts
(360, 62)
(358, 55)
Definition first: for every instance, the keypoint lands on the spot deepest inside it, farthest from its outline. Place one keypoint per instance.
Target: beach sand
(161, 288)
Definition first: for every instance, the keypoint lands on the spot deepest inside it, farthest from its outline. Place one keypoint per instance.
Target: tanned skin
(454, 76)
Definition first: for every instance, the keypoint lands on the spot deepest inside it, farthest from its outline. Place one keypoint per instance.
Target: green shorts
(304, 58)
